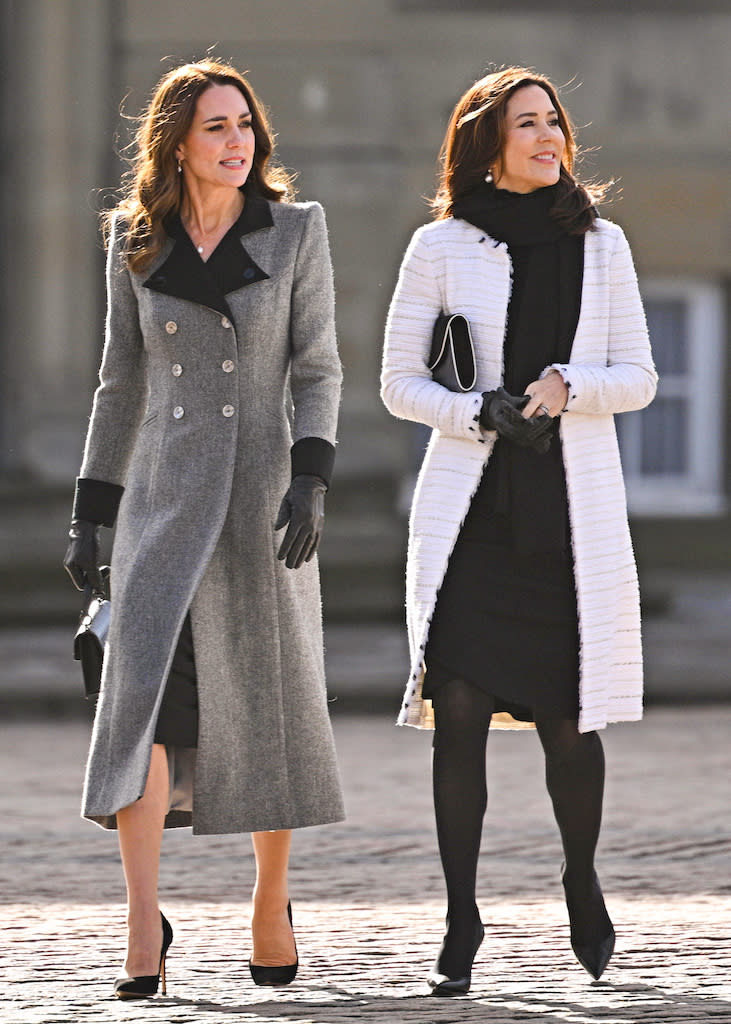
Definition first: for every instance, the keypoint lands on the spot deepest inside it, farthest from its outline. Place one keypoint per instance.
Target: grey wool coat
(195, 417)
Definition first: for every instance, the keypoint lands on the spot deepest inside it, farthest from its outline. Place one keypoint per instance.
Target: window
(672, 452)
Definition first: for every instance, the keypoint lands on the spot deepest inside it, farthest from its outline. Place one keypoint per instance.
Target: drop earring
(488, 177)
(180, 167)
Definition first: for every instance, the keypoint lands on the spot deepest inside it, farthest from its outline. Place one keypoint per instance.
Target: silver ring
(545, 409)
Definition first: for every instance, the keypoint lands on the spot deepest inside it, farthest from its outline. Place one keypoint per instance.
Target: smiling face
(534, 143)
(219, 147)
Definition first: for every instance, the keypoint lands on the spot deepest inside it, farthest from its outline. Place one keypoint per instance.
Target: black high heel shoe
(592, 931)
(458, 984)
(276, 975)
(146, 984)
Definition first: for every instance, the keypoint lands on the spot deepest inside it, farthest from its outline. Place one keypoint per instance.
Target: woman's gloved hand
(502, 412)
(82, 555)
(303, 508)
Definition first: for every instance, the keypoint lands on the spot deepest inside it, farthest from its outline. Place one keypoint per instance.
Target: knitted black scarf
(526, 490)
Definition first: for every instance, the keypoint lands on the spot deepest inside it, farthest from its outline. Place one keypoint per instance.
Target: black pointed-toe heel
(276, 975)
(147, 984)
(592, 931)
(458, 983)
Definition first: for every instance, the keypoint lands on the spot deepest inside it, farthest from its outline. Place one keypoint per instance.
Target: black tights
(575, 782)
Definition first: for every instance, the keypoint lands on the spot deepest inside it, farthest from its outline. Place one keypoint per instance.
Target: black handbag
(452, 355)
(91, 635)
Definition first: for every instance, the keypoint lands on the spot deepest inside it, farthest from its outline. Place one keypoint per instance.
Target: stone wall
(359, 94)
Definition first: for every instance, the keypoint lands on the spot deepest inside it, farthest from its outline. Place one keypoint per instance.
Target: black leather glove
(501, 411)
(82, 555)
(303, 508)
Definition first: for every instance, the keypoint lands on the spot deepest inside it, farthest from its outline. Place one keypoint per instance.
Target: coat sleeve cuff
(313, 455)
(564, 373)
(96, 501)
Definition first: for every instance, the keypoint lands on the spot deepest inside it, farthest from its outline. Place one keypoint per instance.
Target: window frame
(700, 490)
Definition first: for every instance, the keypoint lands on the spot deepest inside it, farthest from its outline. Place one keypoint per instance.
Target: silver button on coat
(178, 412)
(228, 410)
(177, 369)
(228, 366)
(225, 322)
(171, 327)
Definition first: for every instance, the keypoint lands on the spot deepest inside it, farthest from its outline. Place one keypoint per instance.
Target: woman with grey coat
(213, 427)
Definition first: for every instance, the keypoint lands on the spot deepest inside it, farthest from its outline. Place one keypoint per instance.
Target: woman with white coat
(522, 595)
(213, 429)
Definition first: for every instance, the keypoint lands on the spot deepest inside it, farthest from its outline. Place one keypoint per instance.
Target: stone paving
(367, 896)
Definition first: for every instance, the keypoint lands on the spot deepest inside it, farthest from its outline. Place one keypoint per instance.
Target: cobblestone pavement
(367, 895)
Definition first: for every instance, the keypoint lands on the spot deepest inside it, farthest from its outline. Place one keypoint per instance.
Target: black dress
(506, 617)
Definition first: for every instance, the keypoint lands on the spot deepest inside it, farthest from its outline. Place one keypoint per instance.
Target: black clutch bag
(92, 635)
(452, 355)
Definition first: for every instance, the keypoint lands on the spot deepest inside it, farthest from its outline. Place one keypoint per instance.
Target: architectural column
(56, 121)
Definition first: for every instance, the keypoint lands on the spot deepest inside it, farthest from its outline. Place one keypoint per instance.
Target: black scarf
(524, 490)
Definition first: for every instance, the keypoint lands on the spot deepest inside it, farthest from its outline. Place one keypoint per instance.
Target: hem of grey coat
(184, 819)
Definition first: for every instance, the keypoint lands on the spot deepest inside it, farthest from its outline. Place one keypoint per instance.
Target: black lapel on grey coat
(184, 275)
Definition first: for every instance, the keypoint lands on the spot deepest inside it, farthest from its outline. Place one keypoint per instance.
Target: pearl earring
(180, 167)
(488, 177)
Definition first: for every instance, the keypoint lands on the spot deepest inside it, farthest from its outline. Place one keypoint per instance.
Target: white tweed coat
(454, 267)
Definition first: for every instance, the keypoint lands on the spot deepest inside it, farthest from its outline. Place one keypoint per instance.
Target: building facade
(359, 94)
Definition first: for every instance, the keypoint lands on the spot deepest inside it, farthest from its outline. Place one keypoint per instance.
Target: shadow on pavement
(604, 1001)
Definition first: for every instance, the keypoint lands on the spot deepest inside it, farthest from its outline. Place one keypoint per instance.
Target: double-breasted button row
(172, 328)
(179, 411)
(228, 366)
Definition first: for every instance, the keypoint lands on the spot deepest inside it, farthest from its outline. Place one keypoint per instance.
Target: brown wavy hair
(475, 142)
(152, 188)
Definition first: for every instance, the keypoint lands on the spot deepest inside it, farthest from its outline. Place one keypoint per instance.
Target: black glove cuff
(96, 501)
(313, 456)
(485, 418)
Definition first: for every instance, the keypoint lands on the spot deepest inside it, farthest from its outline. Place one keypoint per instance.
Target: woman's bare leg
(271, 931)
(140, 828)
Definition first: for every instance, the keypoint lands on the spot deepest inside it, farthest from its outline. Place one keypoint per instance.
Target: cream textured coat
(454, 267)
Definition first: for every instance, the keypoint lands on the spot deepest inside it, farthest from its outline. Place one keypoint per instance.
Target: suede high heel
(146, 985)
(458, 982)
(274, 976)
(592, 931)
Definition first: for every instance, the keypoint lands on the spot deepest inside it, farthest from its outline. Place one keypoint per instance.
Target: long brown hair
(152, 188)
(475, 141)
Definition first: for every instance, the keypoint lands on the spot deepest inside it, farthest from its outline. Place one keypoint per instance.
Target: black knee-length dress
(506, 616)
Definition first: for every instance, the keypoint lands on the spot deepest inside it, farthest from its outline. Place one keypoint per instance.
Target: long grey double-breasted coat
(195, 416)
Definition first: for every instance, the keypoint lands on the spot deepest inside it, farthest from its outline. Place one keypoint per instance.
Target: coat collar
(184, 275)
